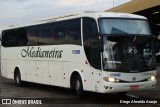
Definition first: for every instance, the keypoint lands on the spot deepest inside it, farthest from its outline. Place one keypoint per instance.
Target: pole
(113, 3)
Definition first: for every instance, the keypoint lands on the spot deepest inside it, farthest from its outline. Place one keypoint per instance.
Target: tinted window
(66, 32)
(59, 32)
(73, 35)
(89, 28)
(4, 38)
(63, 32)
(22, 37)
(9, 38)
(90, 36)
(32, 36)
(16, 37)
(44, 33)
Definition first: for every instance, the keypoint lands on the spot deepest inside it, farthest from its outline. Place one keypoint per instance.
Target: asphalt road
(56, 96)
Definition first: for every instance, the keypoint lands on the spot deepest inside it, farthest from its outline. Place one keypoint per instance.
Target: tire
(78, 87)
(17, 79)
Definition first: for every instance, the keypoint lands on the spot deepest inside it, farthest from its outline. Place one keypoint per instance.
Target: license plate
(134, 87)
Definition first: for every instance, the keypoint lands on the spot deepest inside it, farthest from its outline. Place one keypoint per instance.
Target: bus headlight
(108, 79)
(152, 78)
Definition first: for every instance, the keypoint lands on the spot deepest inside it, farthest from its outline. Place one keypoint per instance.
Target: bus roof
(92, 14)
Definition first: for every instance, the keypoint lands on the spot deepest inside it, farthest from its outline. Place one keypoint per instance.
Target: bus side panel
(4, 68)
(42, 72)
(27, 70)
(96, 80)
(85, 73)
(56, 73)
(11, 65)
(66, 81)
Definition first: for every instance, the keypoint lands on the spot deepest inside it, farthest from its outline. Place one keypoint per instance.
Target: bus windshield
(128, 54)
(124, 26)
(128, 45)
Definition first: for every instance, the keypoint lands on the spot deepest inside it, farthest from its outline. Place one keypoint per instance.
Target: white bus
(89, 51)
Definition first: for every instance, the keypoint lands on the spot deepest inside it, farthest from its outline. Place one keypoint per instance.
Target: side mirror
(97, 39)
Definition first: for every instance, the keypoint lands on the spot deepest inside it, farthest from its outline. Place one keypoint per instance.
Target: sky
(15, 12)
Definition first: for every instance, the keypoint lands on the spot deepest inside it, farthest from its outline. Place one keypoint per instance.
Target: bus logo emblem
(134, 78)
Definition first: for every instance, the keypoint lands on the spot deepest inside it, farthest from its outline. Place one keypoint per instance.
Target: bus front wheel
(78, 87)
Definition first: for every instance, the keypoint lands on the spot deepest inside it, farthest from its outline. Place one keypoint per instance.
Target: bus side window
(44, 33)
(12, 38)
(4, 40)
(52, 39)
(9, 38)
(59, 32)
(73, 34)
(22, 37)
(32, 36)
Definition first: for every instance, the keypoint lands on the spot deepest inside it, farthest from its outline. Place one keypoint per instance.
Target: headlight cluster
(152, 78)
(108, 79)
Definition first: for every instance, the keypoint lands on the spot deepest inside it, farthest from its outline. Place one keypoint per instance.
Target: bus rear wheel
(17, 78)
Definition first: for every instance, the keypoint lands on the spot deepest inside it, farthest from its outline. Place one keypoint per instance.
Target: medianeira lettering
(39, 53)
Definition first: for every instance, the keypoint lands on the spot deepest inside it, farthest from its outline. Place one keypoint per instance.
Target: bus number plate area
(134, 87)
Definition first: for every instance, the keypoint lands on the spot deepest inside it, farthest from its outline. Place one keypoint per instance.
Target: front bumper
(109, 87)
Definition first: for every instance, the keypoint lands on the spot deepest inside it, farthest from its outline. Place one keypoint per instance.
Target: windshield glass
(128, 53)
(124, 26)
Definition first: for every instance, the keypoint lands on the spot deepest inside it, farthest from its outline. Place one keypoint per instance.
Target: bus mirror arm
(100, 43)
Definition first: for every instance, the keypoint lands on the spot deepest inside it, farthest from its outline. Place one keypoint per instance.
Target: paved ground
(57, 95)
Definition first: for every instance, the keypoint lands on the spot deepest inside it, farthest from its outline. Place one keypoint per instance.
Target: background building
(147, 8)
